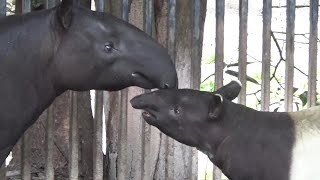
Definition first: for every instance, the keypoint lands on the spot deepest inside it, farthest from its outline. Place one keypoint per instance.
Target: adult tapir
(45, 53)
(244, 143)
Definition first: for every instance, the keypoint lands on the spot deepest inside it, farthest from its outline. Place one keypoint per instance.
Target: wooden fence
(137, 151)
(266, 52)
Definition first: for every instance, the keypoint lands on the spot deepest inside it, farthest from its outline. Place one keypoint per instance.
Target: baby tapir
(244, 143)
(69, 47)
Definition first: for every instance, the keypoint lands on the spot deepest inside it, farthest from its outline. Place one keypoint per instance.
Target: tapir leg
(4, 154)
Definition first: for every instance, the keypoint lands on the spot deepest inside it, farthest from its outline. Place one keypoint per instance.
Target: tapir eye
(108, 47)
(177, 110)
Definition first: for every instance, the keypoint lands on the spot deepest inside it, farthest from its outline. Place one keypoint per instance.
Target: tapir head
(185, 114)
(99, 51)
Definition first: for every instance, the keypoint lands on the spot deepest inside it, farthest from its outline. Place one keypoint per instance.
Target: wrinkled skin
(45, 53)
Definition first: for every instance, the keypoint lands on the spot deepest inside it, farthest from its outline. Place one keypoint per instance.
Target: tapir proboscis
(244, 143)
(69, 47)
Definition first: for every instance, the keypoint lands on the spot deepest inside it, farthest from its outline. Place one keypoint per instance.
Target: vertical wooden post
(171, 46)
(49, 144)
(313, 49)
(98, 121)
(266, 46)
(219, 64)
(289, 55)
(74, 138)
(97, 143)
(25, 145)
(243, 33)
(49, 170)
(3, 13)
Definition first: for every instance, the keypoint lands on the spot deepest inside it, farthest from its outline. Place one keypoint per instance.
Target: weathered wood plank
(289, 72)
(74, 138)
(3, 13)
(25, 145)
(171, 45)
(97, 138)
(49, 169)
(219, 64)
(266, 48)
(313, 49)
(243, 34)
(98, 121)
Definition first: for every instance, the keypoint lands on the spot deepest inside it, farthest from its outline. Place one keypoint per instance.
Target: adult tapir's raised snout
(100, 51)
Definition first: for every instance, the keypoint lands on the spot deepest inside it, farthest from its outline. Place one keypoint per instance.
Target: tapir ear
(215, 107)
(65, 13)
(231, 90)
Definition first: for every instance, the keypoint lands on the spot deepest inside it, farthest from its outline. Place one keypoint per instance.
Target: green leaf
(303, 98)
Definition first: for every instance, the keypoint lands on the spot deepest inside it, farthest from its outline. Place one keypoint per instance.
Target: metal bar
(219, 65)
(148, 16)
(49, 144)
(99, 5)
(25, 145)
(3, 5)
(196, 58)
(266, 47)
(313, 49)
(243, 34)
(289, 55)
(97, 149)
(73, 138)
(172, 28)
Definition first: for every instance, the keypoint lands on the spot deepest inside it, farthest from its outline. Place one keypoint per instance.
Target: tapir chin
(244, 143)
(68, 47)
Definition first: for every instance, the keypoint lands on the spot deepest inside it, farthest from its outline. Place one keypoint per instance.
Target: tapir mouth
(149, 111)
(142, 80)
(149, 115)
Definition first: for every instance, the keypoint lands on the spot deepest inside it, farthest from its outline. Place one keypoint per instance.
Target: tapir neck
(27, 45)
(244, 136)
(27, 49)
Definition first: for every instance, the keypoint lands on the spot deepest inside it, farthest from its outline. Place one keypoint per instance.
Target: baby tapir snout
(144, 101)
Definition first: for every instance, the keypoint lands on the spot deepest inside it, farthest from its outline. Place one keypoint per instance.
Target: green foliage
(211, 59)
(207, 85)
